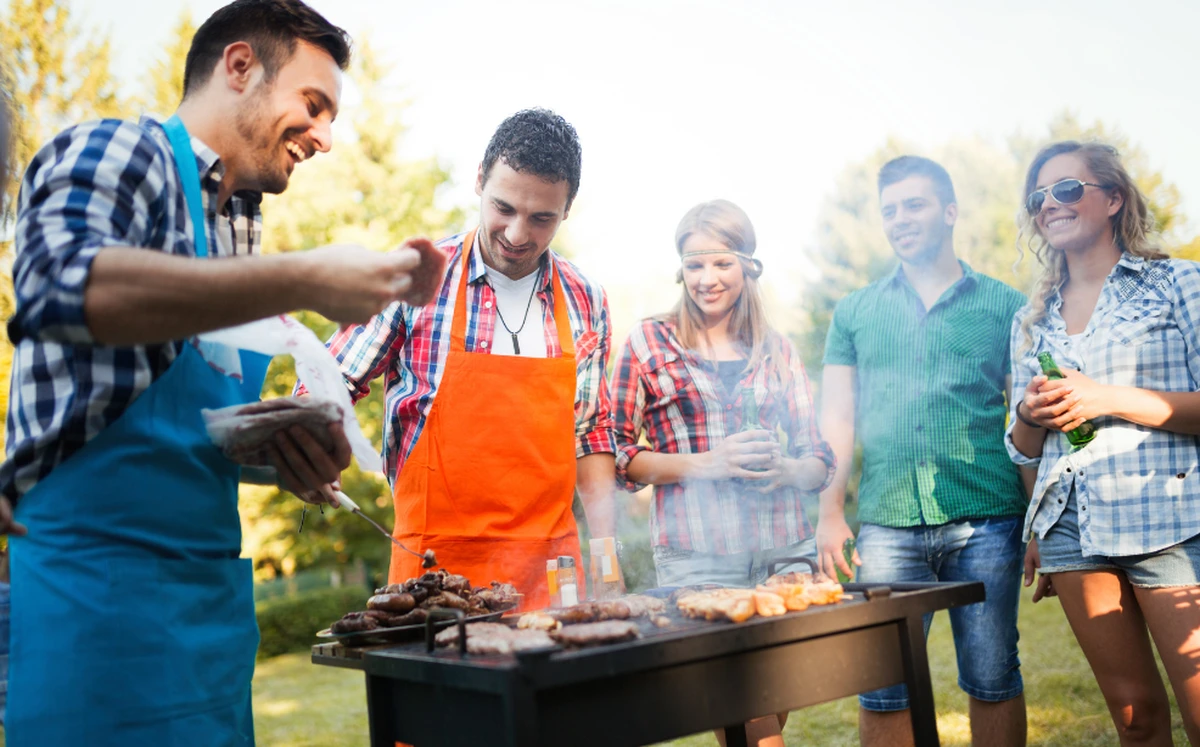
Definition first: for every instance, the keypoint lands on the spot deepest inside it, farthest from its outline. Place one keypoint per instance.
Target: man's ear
(951, 214)
(479, 181)
(238, 66)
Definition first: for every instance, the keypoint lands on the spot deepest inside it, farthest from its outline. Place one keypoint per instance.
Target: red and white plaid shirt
(408, 346)
(678, 402)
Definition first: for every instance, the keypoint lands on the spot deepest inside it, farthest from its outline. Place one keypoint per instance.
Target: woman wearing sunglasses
(1114, 524)
(710, 386)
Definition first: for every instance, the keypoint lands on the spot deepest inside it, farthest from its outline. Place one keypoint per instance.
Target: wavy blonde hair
(1132, 225)
(727, 223)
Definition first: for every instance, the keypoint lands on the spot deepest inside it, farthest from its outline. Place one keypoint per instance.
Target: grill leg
(735, 736)
(920, 686)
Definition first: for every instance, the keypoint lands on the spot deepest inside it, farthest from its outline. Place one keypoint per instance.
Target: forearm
(595, 479)
(1028, 439)
(654, 468)
(840, 437)
(807, 473)
(1178, 412)
(135, 296)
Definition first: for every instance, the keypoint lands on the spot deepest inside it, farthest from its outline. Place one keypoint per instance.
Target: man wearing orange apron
(497, 408)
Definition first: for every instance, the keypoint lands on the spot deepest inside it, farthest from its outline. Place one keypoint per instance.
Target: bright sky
(761, 102)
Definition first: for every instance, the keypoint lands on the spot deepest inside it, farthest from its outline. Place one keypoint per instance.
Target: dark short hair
(272, 28)
(899, 169)
(538, 142)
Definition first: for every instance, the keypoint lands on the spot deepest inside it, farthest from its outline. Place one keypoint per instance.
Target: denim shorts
(744, 569)
(985, 633)
(1177, 565)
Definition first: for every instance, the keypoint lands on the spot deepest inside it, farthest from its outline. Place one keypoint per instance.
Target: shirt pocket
(667, 378)
(1141, 321)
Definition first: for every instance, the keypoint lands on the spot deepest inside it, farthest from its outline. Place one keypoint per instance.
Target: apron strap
(189, 175)
(458, 326)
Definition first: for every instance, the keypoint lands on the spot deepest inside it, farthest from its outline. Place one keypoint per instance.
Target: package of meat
(244, 431)
(315, 368)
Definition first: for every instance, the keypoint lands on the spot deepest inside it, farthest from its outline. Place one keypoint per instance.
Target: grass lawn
(297, 704)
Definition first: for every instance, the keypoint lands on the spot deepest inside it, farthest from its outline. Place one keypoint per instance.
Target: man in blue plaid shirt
(131, 240)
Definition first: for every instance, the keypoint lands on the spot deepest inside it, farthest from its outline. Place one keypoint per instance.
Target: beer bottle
(1084, 433)
(848, 553)
(750, 420)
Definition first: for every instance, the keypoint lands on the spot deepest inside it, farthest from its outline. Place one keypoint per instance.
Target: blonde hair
(727, 223)
(1132, 225)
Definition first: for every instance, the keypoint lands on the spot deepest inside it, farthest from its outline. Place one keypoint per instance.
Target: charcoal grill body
(692, 677)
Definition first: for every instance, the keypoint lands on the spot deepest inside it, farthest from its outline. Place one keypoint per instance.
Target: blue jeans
(4, 611)
(985, 633)
(744, 569)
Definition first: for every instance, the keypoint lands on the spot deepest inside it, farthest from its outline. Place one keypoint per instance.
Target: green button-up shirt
(930, 399)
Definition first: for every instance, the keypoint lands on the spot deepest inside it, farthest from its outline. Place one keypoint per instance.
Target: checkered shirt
(1138, 488)
(674, 399)
(96, 185)
(408, 347)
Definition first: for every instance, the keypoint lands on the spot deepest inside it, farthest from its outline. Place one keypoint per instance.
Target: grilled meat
(590, 634)
(398, 604)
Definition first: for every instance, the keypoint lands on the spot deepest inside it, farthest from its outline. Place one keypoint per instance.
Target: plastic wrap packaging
(242, 431)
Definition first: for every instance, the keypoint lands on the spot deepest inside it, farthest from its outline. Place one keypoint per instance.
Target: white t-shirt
(512, 297)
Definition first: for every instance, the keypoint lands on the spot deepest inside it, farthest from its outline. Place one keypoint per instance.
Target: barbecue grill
(689, 677)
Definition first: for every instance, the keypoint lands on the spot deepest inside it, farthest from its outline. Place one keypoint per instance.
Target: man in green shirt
(916, 366)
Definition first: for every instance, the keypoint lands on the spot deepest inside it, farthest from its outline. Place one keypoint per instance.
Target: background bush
(289, 623)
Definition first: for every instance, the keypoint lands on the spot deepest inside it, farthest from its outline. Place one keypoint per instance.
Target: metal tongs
(428, 560)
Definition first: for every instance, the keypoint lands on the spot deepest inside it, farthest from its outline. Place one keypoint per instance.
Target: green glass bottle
(848, 553)
(1084, 433)
(750, 420)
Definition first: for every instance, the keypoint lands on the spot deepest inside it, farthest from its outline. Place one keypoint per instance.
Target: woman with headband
(1114, 523)
(727, 493)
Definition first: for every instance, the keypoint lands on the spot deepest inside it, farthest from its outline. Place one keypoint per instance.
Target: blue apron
(132, 614)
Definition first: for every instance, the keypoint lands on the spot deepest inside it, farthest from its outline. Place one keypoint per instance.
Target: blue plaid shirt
(1137, 487)
(95, 185)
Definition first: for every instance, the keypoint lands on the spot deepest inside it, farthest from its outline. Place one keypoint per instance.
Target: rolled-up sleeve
(593, 406)
(804, 437)
(1022, 374)
(94, 186)
(629, 395)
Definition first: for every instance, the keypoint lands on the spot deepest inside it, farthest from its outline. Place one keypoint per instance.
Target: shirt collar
(212, 169)
(897, 277)
(1128, 264)
(477, 270)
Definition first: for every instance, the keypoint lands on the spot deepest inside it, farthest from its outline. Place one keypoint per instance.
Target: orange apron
(490, 482)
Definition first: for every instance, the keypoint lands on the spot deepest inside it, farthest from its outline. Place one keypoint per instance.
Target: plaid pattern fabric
(1138, 487)
(95, 185)
(930, 399)
(678, 403)
(408, 347)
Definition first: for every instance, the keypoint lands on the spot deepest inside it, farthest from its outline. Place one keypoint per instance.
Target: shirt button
(484, 345)
(728, 407)
(920, 427)
(1068, 469)
(922, 462)
(487, 304)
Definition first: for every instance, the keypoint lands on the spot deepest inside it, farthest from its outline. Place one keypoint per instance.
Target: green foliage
(288, 624)
(164, 79)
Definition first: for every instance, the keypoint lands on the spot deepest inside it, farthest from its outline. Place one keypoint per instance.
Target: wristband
(1024, 420)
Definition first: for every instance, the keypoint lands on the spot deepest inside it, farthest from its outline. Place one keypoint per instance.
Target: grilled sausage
(397, 604)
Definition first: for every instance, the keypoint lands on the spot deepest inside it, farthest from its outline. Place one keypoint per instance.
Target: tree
(361, 193)
(164, 80)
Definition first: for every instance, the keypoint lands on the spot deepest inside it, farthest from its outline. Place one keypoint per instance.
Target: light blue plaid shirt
(1138, 488)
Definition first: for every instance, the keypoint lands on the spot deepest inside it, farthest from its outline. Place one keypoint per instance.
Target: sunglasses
(1066, 192)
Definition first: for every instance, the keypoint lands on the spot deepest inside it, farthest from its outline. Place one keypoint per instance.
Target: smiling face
(1084, 224)
(714, 282)
(519, 215)
(286, 121)
(916, 223)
